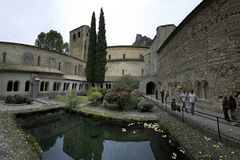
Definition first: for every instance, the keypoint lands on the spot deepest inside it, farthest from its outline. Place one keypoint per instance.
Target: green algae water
(64, 136)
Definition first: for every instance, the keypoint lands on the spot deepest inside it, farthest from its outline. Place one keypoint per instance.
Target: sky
(22, 20)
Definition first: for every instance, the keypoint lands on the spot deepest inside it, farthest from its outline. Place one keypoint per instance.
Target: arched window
(46, 88)
(41, 85)
(198, 89)
(54, 86)
(67, 87)
(58, 86)
(64, 86)
(16, 86)
(27, 86)
(80, 86)
(205, 90)
(9, 85)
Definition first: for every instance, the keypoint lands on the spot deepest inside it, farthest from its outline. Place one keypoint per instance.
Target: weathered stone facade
(203, 53)
(24, 66)
(125, 60)
(79, 39)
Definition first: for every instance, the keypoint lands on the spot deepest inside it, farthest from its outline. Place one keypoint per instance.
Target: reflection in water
(64, 137)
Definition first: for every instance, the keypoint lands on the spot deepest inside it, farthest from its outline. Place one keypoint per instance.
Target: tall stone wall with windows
(203, 53)
(125, 60)
(23, 66)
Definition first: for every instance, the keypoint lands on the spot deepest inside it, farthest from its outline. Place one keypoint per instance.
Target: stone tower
(79, 39)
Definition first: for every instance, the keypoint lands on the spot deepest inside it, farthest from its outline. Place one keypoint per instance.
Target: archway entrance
(150, 88)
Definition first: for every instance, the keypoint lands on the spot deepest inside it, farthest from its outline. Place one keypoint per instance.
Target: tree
(101, 50)
(90, 68)
(52, 41)
(126, 82)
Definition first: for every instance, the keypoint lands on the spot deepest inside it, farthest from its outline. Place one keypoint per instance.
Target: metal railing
(208, 116)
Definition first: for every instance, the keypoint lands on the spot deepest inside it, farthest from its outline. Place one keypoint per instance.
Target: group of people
(229, 103)
(184, 97)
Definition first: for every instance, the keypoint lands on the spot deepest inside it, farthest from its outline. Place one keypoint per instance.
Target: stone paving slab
(228, 129)
(40, 104)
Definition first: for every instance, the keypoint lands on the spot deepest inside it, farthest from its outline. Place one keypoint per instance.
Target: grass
(81, 99)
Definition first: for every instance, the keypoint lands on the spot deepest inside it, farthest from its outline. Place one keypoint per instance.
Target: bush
(27, 99)
(132, 102)
(145, 105)
(18, 99)
(126, 82)
(95, 98)
(72, 99)
(91, 90)
(9, 100)
(117, 97)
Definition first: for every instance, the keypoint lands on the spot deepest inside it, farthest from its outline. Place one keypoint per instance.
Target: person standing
(232, 107)
(183, 98)
(162, 95)
(192, 98)
(225, 105)
(156, 94)
(166, 97)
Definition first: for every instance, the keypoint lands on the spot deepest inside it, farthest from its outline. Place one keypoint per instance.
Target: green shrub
(126, 82)
(91, 90)
(9, 99)
(95, 98)
(132, 102)
(72, 99)
(18, 99)
(117, 96)
(27, 99)
(145, 105)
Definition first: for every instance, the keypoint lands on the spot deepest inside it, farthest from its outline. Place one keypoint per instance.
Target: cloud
(22, 21)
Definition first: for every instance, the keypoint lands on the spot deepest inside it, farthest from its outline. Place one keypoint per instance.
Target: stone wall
(120, 68)
(125, 60)
(131, 52)
(31, 56)
(203, 53)
(51, 72)
(79, 40)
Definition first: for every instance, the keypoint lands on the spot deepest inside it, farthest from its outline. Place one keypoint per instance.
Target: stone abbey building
(201, 53)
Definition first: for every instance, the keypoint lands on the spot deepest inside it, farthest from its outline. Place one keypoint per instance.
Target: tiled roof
(24, 68)
(74, 77)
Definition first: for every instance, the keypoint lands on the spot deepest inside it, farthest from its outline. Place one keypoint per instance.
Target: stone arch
(150, 88)
(205, 89)
(42, 86)
(54, 86)
(58, 86)
(189, 86)
(9, 85)
(198, 89)
(27, 86)
(46, 87)
(16, 86)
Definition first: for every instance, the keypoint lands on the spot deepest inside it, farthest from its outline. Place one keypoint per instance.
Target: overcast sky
(22, 20)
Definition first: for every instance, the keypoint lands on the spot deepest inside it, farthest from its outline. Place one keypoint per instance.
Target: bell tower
(79, 40)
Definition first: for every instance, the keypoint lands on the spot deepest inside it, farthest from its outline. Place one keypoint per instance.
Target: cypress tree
(101, 50)
(90, 68)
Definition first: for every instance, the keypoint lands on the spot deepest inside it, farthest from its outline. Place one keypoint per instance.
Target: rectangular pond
(64, 136)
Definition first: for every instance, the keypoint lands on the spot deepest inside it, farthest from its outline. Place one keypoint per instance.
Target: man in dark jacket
(232, 106)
